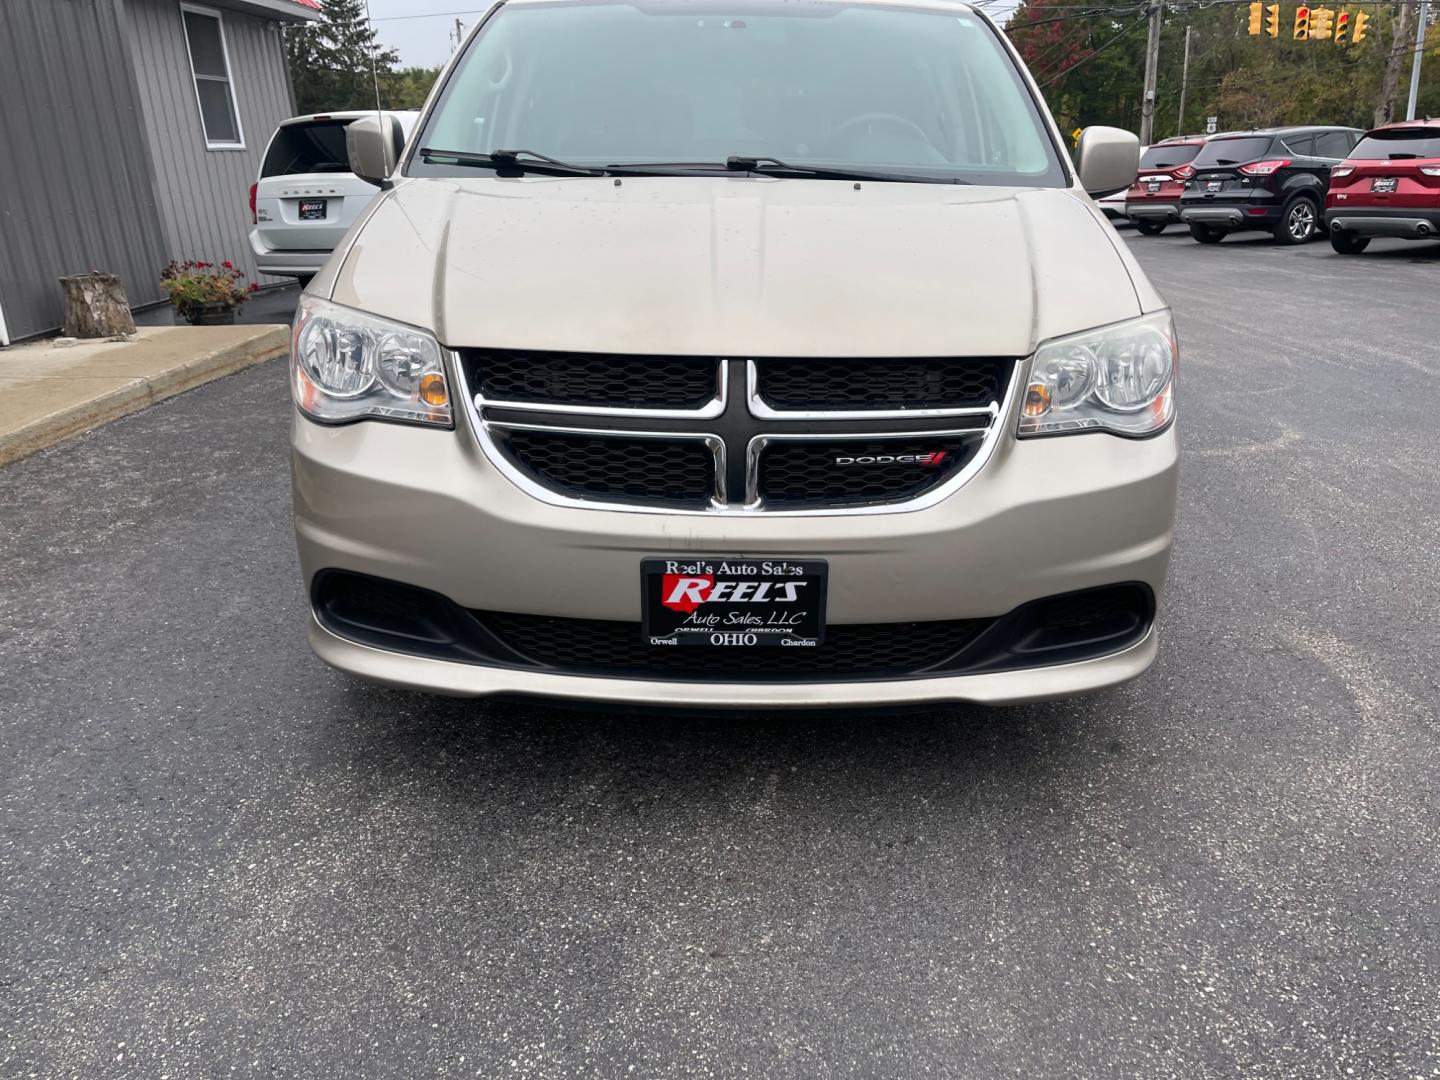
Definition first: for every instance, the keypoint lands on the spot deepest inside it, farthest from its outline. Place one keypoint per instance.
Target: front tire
(1348, 243)
(1149, 228)
(1298, 222)
(1206, 234)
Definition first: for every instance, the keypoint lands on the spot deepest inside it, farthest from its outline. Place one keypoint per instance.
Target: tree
(331, 61)
(1090, 64)
(408, 88)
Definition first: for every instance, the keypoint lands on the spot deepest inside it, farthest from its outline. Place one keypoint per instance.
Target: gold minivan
(735, 354)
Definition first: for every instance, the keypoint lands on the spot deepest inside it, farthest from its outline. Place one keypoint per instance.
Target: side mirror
(373, 144)
(1108, 160)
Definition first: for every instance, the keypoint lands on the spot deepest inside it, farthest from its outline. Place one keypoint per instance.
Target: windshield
(1385, 145)
(1167, 157)
(1233, 151)
(816, 85)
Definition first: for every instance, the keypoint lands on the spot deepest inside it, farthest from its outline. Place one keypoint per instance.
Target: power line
(432, 15)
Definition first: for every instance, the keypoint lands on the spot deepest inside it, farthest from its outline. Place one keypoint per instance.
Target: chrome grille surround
(736, 425)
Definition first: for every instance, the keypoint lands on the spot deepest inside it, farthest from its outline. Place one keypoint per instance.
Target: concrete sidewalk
(49, 394)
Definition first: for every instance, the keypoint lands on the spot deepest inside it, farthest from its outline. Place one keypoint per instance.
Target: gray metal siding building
(105, 158)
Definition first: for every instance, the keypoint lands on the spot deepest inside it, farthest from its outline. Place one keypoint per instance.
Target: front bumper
(1405, 224)
(427, 507)
(990, 688)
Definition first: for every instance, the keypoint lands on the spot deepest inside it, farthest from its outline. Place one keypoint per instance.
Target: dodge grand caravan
(747, 354)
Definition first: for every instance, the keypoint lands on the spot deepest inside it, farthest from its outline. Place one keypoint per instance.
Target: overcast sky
(422, 29)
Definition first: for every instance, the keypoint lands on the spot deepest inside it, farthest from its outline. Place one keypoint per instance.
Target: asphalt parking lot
(222, 859)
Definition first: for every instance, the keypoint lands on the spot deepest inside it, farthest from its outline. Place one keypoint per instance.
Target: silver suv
(775, 356)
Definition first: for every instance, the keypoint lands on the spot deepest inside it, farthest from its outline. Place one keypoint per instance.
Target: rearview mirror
(373, 144)
(1107, 159)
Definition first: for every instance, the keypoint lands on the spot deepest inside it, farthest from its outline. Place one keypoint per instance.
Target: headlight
(346, 365)
(1118, 378)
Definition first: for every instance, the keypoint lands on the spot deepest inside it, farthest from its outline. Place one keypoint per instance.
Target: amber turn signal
(1037, 399)
(432, 389)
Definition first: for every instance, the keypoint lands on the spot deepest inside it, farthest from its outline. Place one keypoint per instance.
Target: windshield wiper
(765, 165)
(769, 166)
(521, 160)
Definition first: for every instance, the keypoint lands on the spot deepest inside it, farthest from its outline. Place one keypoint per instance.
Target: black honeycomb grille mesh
(861, 384)
(812, 473)
(658, 472)
(596, 379)
(617, 648)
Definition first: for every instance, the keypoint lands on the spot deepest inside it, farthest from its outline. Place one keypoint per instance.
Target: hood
(738, 266)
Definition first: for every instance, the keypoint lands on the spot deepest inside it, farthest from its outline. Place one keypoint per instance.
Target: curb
(140, 393)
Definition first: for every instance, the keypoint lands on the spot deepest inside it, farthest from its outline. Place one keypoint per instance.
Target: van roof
(345, 114)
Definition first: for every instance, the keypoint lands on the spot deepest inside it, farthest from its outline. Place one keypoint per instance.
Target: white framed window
(210, 70)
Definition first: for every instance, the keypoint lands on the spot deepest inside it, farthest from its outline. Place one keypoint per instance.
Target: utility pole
(1184, 78)
(459, 35)
(1152, 64)
(1422, 23)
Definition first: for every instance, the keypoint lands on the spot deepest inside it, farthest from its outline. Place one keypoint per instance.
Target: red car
(1154, 200)
(1388, 186)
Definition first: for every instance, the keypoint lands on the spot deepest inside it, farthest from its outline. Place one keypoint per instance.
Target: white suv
(306, 196)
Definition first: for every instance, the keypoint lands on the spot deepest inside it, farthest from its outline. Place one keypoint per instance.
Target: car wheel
(1348, 243)
(1149, 228)
(1298, 222)
(1207, 234)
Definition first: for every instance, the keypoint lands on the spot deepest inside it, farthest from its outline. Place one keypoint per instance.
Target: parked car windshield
(818, 84)
(1233, 151)
(1167, 157)
(314, 147)
(1385, 145)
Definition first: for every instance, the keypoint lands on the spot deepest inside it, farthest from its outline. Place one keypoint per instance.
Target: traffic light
(1342, 27)
(1302, 24)
(1322, 23)
(1358, 34)
(1257, 10)
(1272, 20)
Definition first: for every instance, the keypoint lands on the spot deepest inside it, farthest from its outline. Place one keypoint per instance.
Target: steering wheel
(890, 120)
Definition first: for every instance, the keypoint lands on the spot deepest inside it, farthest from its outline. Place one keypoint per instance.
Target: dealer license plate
(1385, 185)
(1152, 186)
(313, 209)
(1214, 185)
(733, 602)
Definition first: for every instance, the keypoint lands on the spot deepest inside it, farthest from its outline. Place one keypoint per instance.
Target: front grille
(617, 648)
(801, 473)
(881, 384)
(734, 435)
(595, 379)
(655, 472)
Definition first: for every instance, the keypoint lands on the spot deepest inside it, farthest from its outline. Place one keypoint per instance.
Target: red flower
(228, 265)
(254, 286)
(201, 266)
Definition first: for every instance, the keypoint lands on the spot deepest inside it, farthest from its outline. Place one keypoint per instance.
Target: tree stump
(96, 306)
